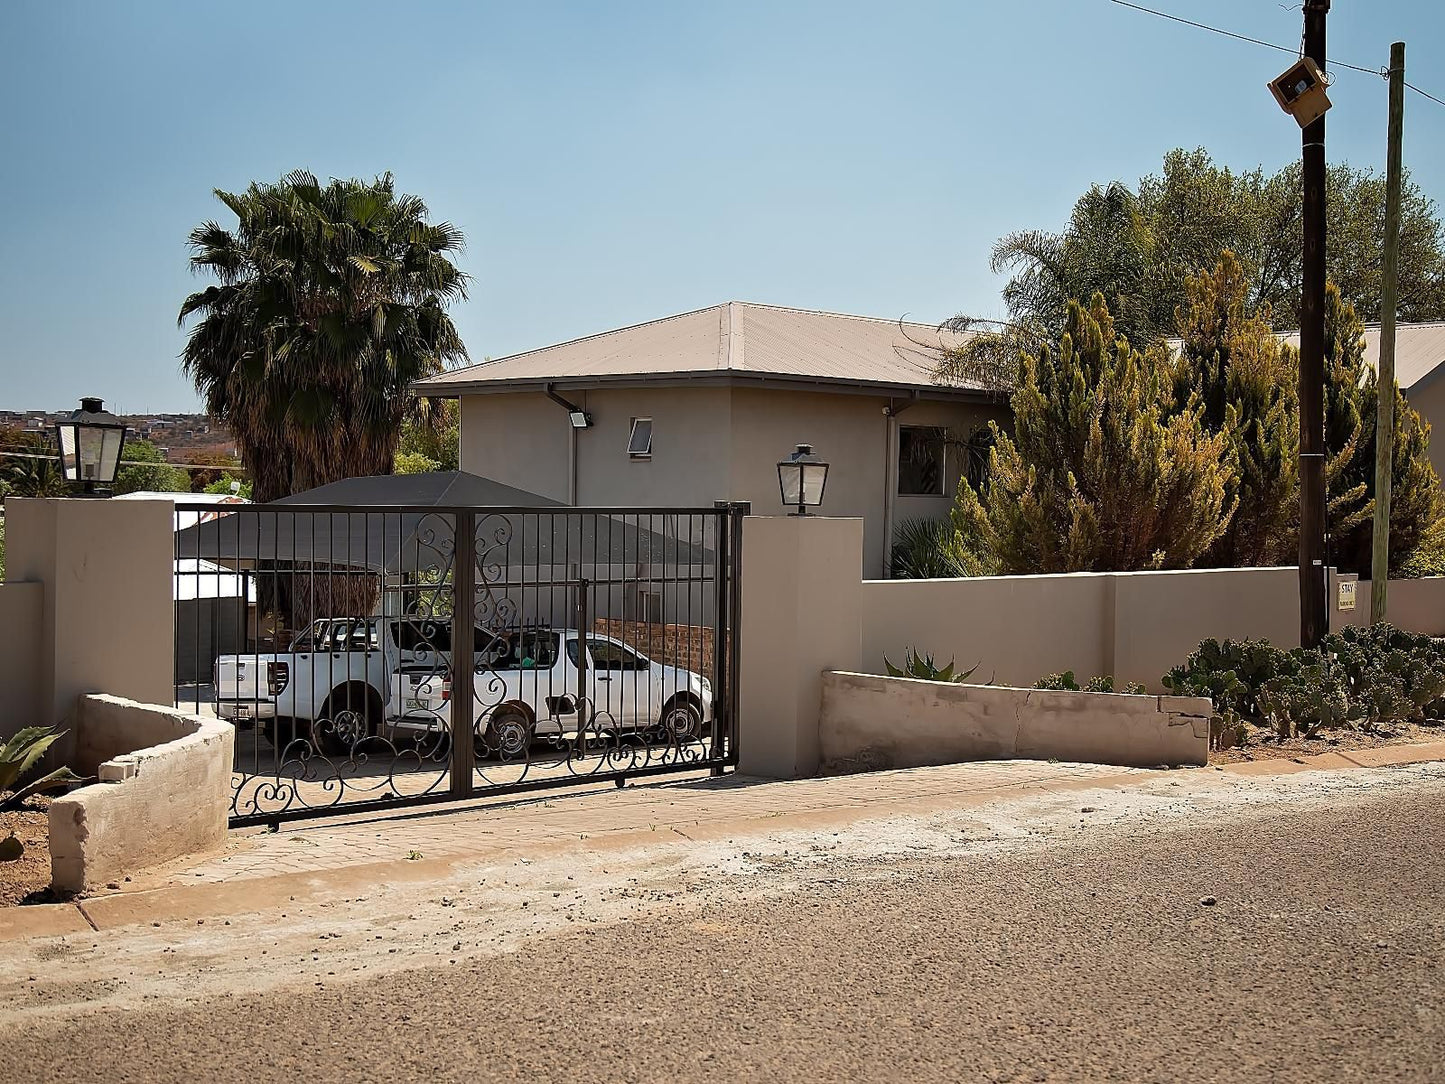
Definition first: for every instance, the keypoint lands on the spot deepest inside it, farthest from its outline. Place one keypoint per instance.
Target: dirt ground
(1263, 745)
(1193, 925)
(31, 873)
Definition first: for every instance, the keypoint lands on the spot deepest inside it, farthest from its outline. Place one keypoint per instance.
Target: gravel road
(1297, 942)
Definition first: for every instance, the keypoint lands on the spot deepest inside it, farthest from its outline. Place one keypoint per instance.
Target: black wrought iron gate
(589, 644)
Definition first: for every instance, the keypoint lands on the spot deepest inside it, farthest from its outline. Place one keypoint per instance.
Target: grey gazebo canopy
(405, 523)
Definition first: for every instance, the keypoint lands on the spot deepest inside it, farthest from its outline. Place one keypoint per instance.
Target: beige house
(1419, 364)
(701, 406)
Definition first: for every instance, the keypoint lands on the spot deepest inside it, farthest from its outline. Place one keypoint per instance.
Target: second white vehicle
(525, 687)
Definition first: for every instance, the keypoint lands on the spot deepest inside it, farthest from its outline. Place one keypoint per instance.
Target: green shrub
(1311, 698)
(927, 549)
(1391, 674)
(1364, 677)
(923, 667)
(1066, 682)
(1230, 674)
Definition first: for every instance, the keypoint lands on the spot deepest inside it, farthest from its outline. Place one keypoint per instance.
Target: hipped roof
(734, 342)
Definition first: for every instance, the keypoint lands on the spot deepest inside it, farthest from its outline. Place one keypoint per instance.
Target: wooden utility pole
(1314, 618)
(1385, 377)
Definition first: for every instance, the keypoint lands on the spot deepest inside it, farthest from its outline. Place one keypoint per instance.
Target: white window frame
(646, 453)
(942, 462)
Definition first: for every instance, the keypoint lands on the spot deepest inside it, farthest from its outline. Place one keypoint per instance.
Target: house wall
(519, 439)
(691, 446)
(1430, 402)
(711, 443)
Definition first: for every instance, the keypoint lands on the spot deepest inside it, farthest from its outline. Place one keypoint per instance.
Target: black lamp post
(91, 440)
(801, 478)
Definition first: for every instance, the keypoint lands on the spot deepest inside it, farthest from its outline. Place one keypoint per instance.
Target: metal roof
(728, 343)
(1419, 351)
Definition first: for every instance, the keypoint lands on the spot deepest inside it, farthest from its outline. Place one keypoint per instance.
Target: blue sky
(616, 162)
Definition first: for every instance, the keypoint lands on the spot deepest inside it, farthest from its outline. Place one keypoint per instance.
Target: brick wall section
(686, 646)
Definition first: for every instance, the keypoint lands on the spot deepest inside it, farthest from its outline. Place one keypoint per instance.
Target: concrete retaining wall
(164, 791)
(21, 616)
(869, 722)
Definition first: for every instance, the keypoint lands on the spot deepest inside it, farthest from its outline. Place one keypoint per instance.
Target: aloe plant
(19, 755)
(923, 666)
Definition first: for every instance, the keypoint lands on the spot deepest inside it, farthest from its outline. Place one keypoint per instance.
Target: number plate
(418, 704)
(245, 711)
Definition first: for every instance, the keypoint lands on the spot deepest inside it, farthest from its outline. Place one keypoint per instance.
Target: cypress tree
(1232, 366)
(1103, 471)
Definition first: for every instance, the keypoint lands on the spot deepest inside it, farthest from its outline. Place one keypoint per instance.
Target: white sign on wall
(1347, 595)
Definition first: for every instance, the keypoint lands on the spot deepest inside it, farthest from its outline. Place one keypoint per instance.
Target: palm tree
(331, 302)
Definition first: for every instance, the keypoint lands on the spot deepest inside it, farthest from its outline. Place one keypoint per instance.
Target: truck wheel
(348, 717)
(509, 733)
(682, 722)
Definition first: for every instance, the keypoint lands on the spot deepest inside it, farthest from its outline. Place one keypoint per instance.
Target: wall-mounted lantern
(91, 441)
(801, 478)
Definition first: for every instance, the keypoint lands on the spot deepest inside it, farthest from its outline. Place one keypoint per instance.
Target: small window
(639, 444)
(920, 462)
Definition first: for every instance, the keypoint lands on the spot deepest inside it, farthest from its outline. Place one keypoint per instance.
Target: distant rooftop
(1419, 351)
(729, 343)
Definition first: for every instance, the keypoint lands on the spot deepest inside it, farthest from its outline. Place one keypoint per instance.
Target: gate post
(115, 559)
(721, 624)
(801, 614)
(464, 642)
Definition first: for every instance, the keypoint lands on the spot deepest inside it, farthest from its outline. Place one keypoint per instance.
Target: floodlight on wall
(91, 441)
(1300, 92)
(801, 478)
(580, 419)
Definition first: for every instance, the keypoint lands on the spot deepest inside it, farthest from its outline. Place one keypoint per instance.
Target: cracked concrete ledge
(192, 903)
(868, 720)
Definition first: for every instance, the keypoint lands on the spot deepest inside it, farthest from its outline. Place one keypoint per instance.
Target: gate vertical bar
(583, 700)
(721, 713)
(464, 568)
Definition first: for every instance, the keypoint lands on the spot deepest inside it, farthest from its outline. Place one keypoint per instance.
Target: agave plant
(923, 667)
(19, 755)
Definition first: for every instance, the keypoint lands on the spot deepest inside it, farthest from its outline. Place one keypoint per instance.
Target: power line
(1432, 97)
(1383, 73)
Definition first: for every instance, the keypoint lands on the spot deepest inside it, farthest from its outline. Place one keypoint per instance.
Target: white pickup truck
(525, 687)
(336, 673)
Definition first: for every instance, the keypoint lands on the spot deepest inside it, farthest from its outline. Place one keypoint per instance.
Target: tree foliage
(22, 472)
(331, 300)
(148, 471)
(1139, 246)
(1102, 472)
(1232, 367)
(1107, 442)
(431, 436)
(1351, 403)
